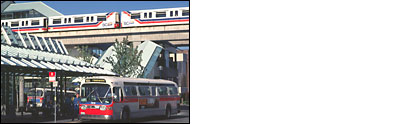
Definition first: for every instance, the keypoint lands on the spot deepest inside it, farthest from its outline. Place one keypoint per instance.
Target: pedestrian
(76, 107)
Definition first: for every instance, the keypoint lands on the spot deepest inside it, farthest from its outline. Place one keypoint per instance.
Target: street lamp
(160, 67)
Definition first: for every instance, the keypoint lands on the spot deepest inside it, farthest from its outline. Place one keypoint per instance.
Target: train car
(83, 21)
(155, 17)
(26, 24)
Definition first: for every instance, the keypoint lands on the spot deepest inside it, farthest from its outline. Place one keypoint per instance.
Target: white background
(295, 61)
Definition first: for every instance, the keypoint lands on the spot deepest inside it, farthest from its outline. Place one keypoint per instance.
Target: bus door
(117, 99)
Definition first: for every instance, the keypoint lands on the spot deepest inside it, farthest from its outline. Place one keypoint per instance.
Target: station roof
(38, 6)
(24, 50)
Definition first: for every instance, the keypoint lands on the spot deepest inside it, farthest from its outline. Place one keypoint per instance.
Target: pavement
(183, 116)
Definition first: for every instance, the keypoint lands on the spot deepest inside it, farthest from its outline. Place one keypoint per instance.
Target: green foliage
(127, 63)
(84, 53)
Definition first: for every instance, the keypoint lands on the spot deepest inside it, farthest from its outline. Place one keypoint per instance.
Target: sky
(87, 7)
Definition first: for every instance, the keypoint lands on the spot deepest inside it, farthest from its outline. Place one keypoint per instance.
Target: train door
(45, 23)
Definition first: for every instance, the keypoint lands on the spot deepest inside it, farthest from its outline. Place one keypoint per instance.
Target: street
(182, 117)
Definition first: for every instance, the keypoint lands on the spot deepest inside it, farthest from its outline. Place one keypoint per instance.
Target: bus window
(96, 93)
(116, 93)
(172, 91)
(144, 91)
(153, 91)
(134, 92)
(128, 91)
(38, 93)
(162, 91)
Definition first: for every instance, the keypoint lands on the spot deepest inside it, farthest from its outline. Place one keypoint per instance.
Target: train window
(185, 13)
(87, 19)
(22, 23)
(101, 18)
(150, 14)
(135, 16)
(161, 14)
(56, 21)
(176, 13)
(14, 24)
(35, 22)
(69, 20)
(171, 13)
(65, 20)
(26, 23)
(91, 19)
(145, 15)
(78, 19)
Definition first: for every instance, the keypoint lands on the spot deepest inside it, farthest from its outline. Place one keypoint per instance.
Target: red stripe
(110, 14)
(162, 21)
(33, 29)
(126, 100)
(89, 111)
(127, 14)
(169, 99)
(84, 26)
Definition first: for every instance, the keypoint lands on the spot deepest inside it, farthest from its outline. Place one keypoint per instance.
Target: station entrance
(26, 61)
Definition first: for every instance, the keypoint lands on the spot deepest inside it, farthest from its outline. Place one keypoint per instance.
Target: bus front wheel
(168, 113)
(125, 116)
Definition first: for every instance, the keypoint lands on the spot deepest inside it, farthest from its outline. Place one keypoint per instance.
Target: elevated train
(167, 16)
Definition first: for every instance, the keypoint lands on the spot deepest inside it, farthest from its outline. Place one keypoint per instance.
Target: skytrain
(135, 18)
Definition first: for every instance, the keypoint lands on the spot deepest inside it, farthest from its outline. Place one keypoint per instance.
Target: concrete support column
(7, 93)
(21, 91)
(166, 56)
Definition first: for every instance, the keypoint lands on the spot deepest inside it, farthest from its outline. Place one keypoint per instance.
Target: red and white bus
(119, 98)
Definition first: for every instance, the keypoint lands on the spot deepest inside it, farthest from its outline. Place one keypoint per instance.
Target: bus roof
(134, 80)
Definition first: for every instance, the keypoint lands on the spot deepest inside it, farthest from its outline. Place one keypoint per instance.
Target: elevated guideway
(175, 34)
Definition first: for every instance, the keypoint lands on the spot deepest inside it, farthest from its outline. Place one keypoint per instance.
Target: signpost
(52, 78)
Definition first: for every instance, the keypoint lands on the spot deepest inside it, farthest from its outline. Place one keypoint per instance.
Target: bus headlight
(83, 107)
(103, 107)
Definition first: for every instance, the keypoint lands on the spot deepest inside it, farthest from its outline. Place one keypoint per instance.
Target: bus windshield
(96, 93)
(32, 93)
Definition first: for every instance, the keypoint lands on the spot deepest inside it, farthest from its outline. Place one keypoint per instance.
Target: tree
(84, 53)
(128, 58)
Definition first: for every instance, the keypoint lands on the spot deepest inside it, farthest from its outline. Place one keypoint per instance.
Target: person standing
(76, 107)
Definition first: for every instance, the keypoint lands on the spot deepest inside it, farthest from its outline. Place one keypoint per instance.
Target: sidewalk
(28, 118)
(184, 107)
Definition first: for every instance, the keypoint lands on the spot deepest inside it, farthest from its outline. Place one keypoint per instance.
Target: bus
(119, 98)
(39, 99)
